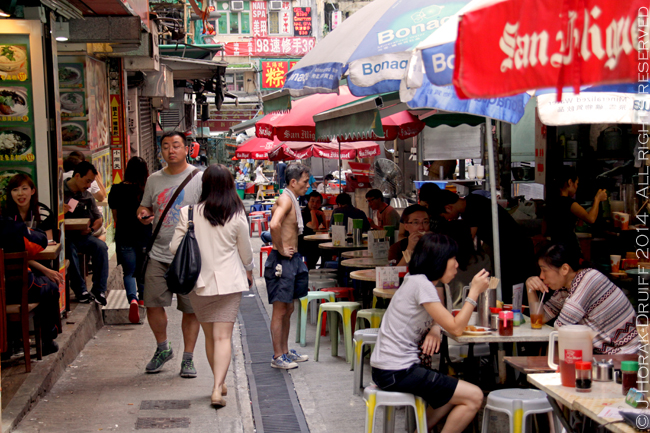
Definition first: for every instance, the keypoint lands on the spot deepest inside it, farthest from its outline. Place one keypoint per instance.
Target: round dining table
(364, 275)
(346, 247)
(318, 237)
(364, 262)
(356, 254)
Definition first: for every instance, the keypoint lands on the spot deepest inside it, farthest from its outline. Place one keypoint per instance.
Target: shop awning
(193, 69)
(192, 51)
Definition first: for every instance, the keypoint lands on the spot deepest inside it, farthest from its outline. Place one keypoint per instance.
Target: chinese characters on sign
(259, 16)
(274, 71)
(268, 47)
(273, 74)
(302, 21)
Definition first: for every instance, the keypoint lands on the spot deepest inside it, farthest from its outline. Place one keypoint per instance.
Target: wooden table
(51, 252)
(318, 237)
(356, 254)
(77, 223)
(364, 275)
(539, 364)
(346, 247)
(590, 404)
(364, 262)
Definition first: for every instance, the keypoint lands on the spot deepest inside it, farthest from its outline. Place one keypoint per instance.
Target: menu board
(17, 143)
(71, 76)
(73, 104)
(74, 133)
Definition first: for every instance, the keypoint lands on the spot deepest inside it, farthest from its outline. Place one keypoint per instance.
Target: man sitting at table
(386, 215)
(344, 202)
(314, 219)
(416, 220)
(80, 203)
(16, 237)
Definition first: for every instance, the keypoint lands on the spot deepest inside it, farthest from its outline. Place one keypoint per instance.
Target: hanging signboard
(274, 72)
(259, 17)
(270, 47)
(302, 23)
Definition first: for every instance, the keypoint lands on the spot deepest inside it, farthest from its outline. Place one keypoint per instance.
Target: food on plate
(68, 75)
(14, 143)
(11, 57)
(11, 102)
(71, 132)
(472, 328)
(73, 102)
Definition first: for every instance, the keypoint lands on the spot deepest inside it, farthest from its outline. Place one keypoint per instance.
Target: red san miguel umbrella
(300, 150)
(517, 45)
(298, 124)
(256, 148)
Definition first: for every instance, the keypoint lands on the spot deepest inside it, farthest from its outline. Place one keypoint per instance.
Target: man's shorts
(156, 293)
(294, 281)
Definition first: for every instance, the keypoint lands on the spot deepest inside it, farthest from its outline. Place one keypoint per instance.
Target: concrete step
(116, 311)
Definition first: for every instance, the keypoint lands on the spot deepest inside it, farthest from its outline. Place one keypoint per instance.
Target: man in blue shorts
(285, 273)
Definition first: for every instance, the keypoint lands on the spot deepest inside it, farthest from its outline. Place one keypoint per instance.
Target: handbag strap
(169, 206)
(190, 218)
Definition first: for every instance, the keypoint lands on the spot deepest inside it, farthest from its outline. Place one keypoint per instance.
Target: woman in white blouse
(226, 267)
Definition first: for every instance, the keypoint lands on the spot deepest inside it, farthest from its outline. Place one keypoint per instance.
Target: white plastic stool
(518, 404)
(317, 284)
(375, 397)
(361, 338)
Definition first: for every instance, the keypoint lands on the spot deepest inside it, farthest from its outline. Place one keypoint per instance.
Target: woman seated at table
(585, 297)
(416, 220)
(22, 206)
(414, 311)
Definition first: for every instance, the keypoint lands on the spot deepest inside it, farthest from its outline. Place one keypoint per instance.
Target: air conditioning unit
(275, 5)
(236, 6)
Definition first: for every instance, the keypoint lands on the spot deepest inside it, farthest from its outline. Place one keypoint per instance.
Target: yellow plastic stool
(375, 398)
(372, 315)
(344, 309)
(301, 319)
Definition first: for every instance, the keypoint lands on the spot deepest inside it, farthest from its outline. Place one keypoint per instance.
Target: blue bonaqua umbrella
(372, 47)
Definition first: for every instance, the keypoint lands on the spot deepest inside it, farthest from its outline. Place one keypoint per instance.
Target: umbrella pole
(340, 180)
(495, 211)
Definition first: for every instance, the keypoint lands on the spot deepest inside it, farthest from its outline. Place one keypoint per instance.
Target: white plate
(18, 109)
(484, 331)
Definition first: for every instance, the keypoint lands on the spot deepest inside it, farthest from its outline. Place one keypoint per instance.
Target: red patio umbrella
(517, 45)
(299, 150)
(256, 148)
(298, 124)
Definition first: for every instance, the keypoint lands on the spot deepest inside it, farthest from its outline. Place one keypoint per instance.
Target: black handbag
(142, 269)
(185, 268)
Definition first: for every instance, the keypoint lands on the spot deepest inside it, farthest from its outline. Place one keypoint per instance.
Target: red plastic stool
(263, 250)
(261, 223)
(346, 293)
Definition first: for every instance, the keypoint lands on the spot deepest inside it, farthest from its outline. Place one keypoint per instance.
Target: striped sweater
(595, 301)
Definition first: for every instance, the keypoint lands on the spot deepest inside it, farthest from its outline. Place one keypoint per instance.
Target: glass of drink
(536, 321)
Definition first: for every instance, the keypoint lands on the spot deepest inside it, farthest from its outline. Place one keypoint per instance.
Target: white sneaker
(296, 357)
(283, 362)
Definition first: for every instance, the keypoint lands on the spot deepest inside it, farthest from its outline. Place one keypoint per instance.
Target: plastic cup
(480, 171)
(615, 261)
(471, 171)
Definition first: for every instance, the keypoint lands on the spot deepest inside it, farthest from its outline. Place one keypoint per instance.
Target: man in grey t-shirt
(159, 190)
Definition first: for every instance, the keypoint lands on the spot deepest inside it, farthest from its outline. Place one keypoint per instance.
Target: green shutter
(223, 24)
(245, 23)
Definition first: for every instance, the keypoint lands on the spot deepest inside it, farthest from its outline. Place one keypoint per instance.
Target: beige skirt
(216, 308)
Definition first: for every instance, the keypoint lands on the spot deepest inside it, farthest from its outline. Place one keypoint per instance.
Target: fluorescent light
(61, 31)
(4, 14)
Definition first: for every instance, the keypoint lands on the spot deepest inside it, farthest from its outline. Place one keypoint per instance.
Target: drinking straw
(541, 302)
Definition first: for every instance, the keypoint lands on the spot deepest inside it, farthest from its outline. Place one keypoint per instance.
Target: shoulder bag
(182, 274)
(143, 267)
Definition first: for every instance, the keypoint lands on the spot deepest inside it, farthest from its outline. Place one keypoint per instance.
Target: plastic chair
(345, 310)
(261, 222)
(346, 293)
(375, 398)
(318, 284)
(518, 404)
(301, 319)
(362, 337)
(372, 315)
(263, 250)
(256, 207)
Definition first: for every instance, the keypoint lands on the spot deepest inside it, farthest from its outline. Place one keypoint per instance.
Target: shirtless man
(285, 273)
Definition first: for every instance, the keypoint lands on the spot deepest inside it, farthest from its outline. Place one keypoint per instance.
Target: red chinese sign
(302, 21)
(259, 15)
(273, 74)
(532, 44)
(270, 47)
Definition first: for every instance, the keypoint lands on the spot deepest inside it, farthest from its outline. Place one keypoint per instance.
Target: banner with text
(268, 47)
(274, 72)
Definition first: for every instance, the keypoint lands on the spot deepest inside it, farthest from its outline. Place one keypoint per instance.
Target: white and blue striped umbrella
(372, 47)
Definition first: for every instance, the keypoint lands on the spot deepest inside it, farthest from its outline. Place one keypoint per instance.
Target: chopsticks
(494, 282)
(378, 234)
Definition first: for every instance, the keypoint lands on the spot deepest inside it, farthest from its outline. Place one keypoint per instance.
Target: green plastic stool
(345, 310)
(372, 315)
(301, 319)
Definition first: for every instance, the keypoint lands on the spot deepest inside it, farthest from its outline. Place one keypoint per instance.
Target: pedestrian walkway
(106, 389)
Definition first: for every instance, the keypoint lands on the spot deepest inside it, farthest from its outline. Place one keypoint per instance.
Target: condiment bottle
(629, 371)
(505, 323)
(516, 317)
(583, 376)
(494, 317)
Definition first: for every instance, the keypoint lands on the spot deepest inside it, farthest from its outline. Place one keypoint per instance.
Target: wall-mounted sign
(274, 71)
(269, 47)
(302, 22)
(337, 18)
(259, 17)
